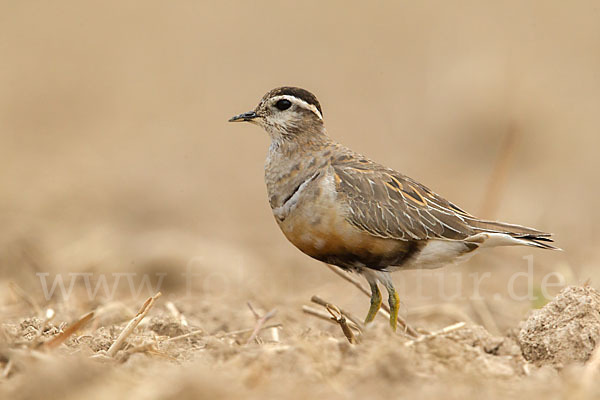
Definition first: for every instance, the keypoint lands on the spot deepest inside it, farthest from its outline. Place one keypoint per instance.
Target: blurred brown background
(116, 153)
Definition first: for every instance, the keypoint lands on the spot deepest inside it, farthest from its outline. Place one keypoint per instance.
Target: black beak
(247, 116)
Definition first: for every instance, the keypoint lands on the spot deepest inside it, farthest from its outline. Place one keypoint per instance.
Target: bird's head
(287, 113)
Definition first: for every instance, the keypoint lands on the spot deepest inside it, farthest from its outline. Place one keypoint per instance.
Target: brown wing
(388, 204)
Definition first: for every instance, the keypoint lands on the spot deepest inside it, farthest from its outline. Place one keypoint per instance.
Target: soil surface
(176, 352)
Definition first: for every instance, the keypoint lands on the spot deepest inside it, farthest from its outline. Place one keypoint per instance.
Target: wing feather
(388, 204)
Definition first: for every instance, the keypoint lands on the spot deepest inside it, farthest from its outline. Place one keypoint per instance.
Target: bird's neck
(300, 143)
(291, 161)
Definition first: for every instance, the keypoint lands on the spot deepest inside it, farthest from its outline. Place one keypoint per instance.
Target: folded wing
(388, 204)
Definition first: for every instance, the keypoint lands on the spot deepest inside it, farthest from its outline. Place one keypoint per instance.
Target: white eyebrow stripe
(300, 102)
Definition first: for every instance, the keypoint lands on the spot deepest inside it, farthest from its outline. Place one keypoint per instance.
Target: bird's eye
(283, 104)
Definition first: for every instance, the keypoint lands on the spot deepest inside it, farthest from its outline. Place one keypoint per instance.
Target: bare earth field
(120, 178)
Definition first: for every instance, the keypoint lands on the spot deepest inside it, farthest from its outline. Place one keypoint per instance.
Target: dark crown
(300, 93)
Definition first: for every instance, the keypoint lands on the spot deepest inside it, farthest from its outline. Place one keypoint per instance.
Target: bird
(344, 209)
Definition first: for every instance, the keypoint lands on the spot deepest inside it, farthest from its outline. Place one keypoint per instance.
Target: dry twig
(132, 325)
(443, 331)
(325, 316)
(260, 322)
(358, 325)
(339, 318)
(318, 313)
(336, 316)
(185, 335)
(64, 335)
(242, 331)
(329, 317)
(178, 315)
(253, 311)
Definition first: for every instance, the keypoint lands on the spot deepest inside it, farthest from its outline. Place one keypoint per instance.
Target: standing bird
(344, 209)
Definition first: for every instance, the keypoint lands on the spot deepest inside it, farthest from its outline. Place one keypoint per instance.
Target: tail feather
(542, 245)
(520, 235)
(503, 227)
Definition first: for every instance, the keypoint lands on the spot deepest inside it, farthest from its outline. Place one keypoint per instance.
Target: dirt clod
(166, 326)
(565, 330)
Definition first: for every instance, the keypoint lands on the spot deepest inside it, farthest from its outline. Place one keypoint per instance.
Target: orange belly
(320, 230)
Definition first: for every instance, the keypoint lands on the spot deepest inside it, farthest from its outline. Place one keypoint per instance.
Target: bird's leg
(375, 299)
(393, 301)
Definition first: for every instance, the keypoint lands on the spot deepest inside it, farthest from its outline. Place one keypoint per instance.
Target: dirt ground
(120, 177)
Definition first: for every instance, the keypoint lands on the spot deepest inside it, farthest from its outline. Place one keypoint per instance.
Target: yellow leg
(375, 302)
(394, 302)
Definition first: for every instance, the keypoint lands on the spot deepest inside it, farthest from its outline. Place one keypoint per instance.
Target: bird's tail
(503, 234)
